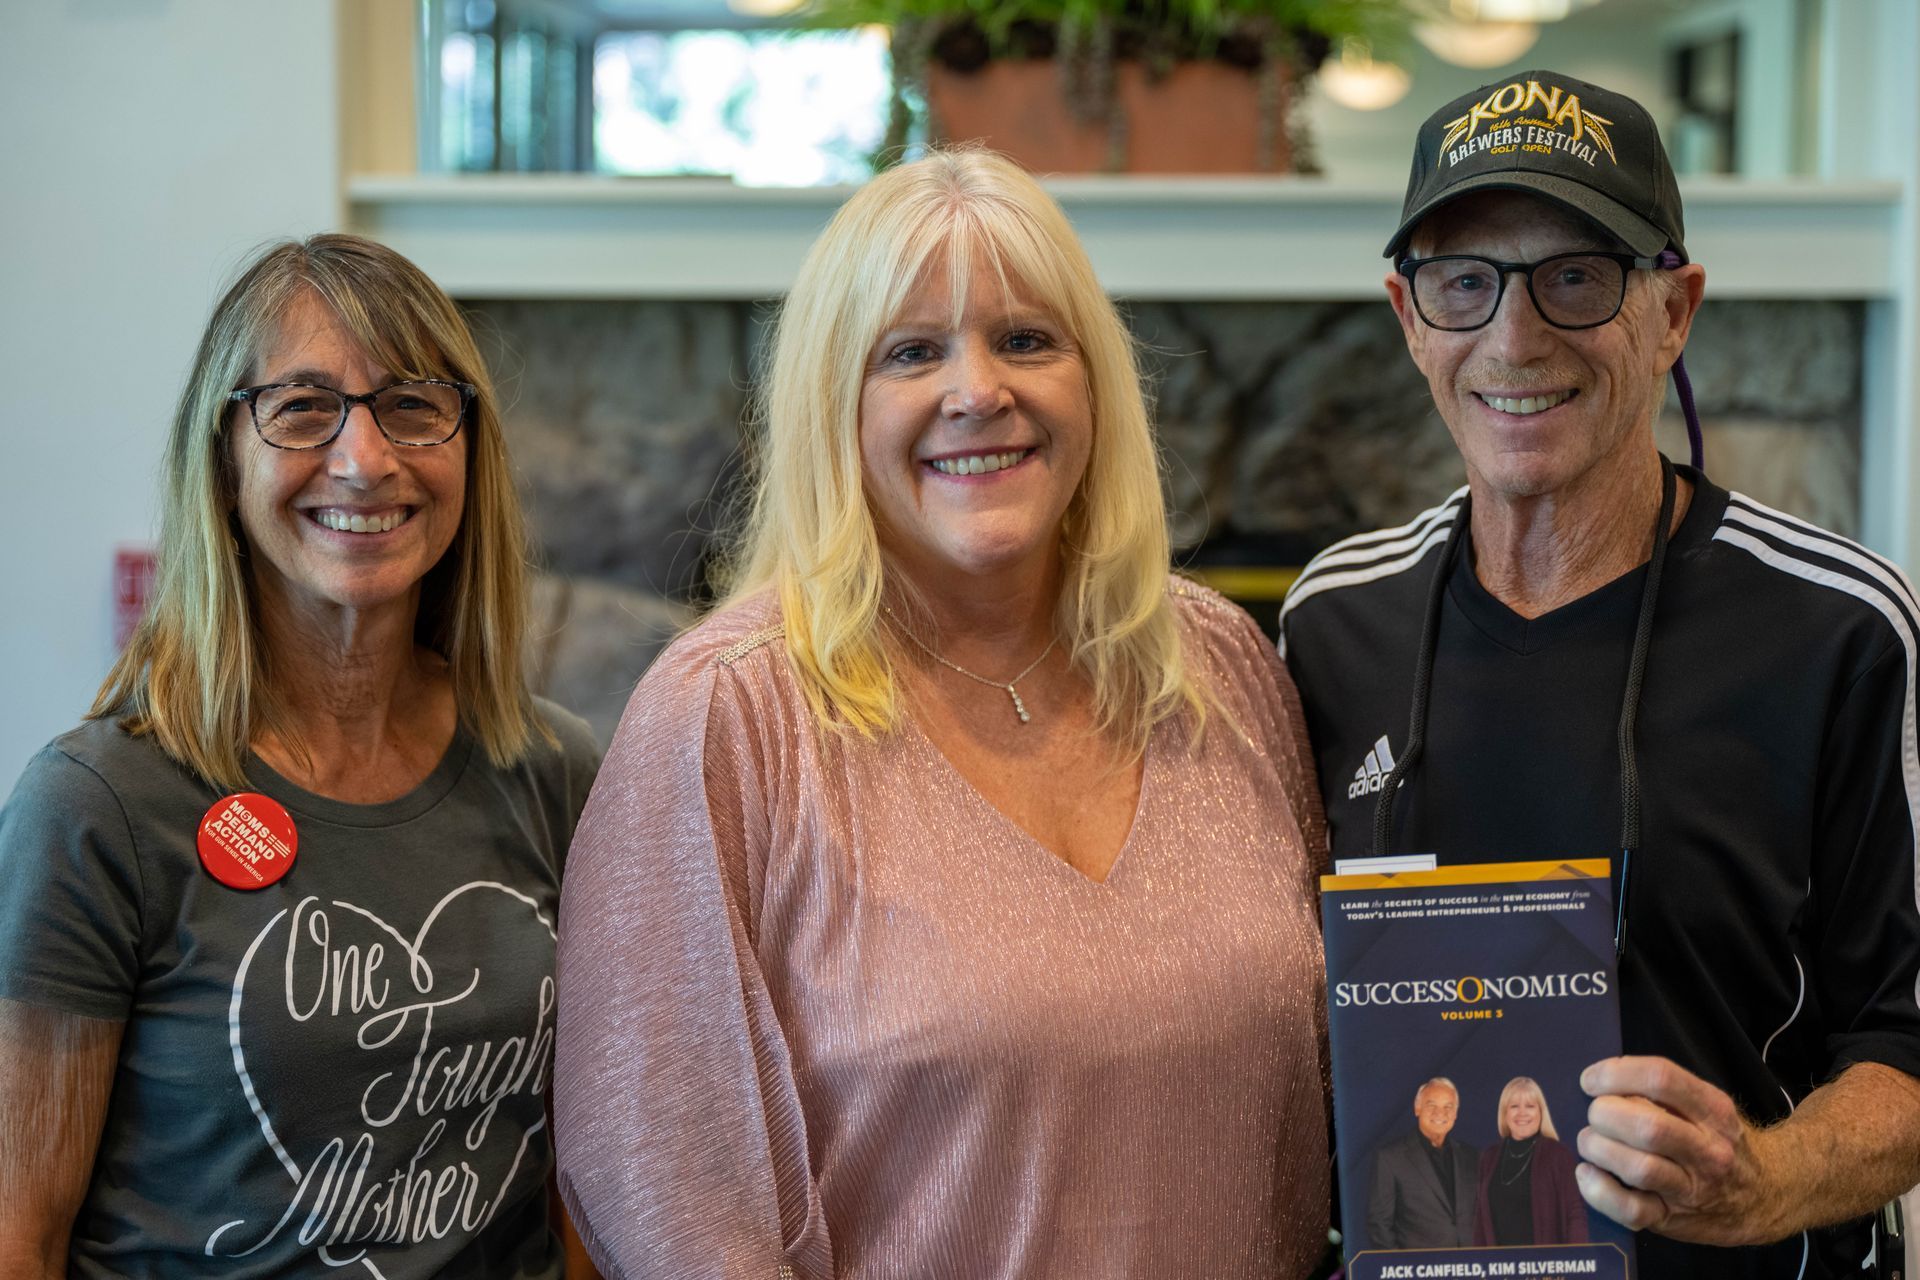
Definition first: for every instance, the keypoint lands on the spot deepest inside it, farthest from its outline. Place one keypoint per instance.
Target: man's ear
(1680, 305)
(1401, 296)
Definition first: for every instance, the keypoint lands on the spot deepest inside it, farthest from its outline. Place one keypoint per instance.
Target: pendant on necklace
(1020, 708)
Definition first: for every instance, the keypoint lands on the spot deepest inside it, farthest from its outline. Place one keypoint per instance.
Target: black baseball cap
(1593, 151)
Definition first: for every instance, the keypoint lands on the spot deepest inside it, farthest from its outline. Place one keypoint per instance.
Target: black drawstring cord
(1422, 682)
(1629, 704)
(1630, 708)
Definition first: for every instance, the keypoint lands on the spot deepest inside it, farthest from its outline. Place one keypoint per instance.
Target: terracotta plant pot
(1202, 117)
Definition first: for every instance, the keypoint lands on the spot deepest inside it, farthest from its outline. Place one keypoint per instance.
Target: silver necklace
(1526, 1163)
(1019, 707)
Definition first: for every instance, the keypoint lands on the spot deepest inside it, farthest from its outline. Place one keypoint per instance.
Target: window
(665, 88)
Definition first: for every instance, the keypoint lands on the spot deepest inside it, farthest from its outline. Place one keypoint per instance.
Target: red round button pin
(247, 841)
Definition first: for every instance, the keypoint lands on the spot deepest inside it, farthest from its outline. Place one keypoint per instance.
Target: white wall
(150, 144)
(1867, 108)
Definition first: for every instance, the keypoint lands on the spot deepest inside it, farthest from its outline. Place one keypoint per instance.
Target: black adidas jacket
(1773, 934)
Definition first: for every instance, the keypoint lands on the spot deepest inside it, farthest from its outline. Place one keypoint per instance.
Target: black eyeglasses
(297, 415)
(1458, 292)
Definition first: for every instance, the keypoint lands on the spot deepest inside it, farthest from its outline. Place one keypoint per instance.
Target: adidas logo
(1372, 775)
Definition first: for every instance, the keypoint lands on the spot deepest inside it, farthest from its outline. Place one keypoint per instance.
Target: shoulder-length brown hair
(196, 674)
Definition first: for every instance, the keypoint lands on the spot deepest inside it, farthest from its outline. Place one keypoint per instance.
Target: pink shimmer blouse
(825, 1012)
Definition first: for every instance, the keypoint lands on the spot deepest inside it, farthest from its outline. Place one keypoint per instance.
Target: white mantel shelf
(568, 236)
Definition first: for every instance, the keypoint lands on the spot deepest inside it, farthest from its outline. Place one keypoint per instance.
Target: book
(1463, 1004)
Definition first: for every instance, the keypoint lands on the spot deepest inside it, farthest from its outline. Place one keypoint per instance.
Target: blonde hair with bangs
(196, 674)
(1525, 1087)
(809, 536)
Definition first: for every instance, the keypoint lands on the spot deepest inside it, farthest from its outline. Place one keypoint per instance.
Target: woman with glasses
(277, 920)
(944, 907)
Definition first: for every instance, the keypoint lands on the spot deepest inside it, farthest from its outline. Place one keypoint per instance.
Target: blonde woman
(276, 921)
(944, 906)
(1527, 1190)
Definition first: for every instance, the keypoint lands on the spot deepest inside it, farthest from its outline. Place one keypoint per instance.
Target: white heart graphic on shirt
(353, 1194)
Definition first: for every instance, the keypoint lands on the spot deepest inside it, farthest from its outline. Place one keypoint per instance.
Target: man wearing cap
(1587, 650)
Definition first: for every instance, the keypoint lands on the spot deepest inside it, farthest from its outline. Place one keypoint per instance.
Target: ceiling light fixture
(1488, 33)
(1477, 44)
(1515, 10)
(1356, 81)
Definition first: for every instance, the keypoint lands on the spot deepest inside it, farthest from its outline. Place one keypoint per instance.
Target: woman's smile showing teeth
(355, 522)
(976, 464)
(1527, 404)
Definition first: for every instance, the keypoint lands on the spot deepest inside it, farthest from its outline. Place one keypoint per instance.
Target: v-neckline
(1026, 838)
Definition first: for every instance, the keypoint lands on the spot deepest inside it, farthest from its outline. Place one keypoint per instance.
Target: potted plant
(1145, 86)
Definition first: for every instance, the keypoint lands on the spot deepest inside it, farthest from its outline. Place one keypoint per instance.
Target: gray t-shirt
(343, 1073)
